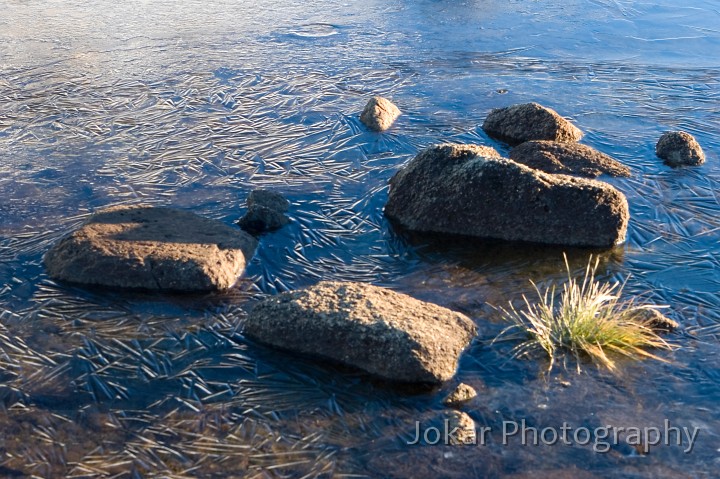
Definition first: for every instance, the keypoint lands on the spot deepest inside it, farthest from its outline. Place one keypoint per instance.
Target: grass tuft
(588, 319)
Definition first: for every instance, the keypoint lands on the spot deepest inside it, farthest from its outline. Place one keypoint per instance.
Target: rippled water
(193, 104)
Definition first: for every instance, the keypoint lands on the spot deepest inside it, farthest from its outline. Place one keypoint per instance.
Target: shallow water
(193, 105)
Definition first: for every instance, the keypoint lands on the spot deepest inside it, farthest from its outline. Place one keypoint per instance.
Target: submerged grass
(588, 319)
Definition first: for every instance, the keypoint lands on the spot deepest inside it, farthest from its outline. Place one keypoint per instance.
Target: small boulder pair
(529, 122)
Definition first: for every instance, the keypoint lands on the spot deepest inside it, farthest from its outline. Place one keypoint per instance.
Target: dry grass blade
(587, 319)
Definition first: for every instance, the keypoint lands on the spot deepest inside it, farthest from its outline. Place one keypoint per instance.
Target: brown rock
(462, 394)
(461, 428)
(385, 333)
(529, 121)
(655, 320)
(152, 248)
(679, 148)
(379, 114)
(567, 158)
(454, 189)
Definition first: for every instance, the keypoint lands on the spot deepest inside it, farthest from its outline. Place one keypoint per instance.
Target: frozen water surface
(192, 104)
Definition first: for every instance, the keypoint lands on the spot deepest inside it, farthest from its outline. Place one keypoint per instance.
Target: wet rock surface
(529, 121)
(265, 212)
(379, 114)
(678, 148)
(454, 189)
(567, 158)
(388, 334)
(152, 248)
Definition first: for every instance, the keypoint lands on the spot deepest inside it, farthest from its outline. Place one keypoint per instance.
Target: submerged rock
(265, 212)
(462, 394)
(461, 429)
(152, 248)
(567, 158)
(454, 189)
(385, 333)
(529, 121)
(379, 114)
(679, 148)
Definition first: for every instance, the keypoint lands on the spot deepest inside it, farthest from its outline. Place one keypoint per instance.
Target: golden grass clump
(588, 320)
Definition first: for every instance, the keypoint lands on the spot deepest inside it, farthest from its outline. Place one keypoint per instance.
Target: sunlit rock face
(388, 334)
(459, 189)
(379, 114)
(679, 148)
(567, 159)
(529, 121)
(152, 248)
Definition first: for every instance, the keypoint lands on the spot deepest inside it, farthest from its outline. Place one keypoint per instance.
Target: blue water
(193, 104)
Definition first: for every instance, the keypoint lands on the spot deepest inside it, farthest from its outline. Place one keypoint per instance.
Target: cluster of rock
(155, 248)
(459, 421)
(542, 193)
(547, 141)
(539, 194)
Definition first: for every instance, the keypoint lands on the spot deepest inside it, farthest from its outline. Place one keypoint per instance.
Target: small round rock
(379, 114)
(679, 148)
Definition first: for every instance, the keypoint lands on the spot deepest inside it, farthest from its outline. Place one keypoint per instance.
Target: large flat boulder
(452, 189)
(567, 159)
(152, 248)
(529, 121)
(388, 334)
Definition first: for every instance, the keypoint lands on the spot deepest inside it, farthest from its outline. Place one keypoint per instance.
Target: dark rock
(567, 158)
(268, 199)
(462, 394)
(529, 121)
(453, 189)
(259, 219)
(679, 148)
(152, 248)
(385, 333)
(265, 212)
(379, 114)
